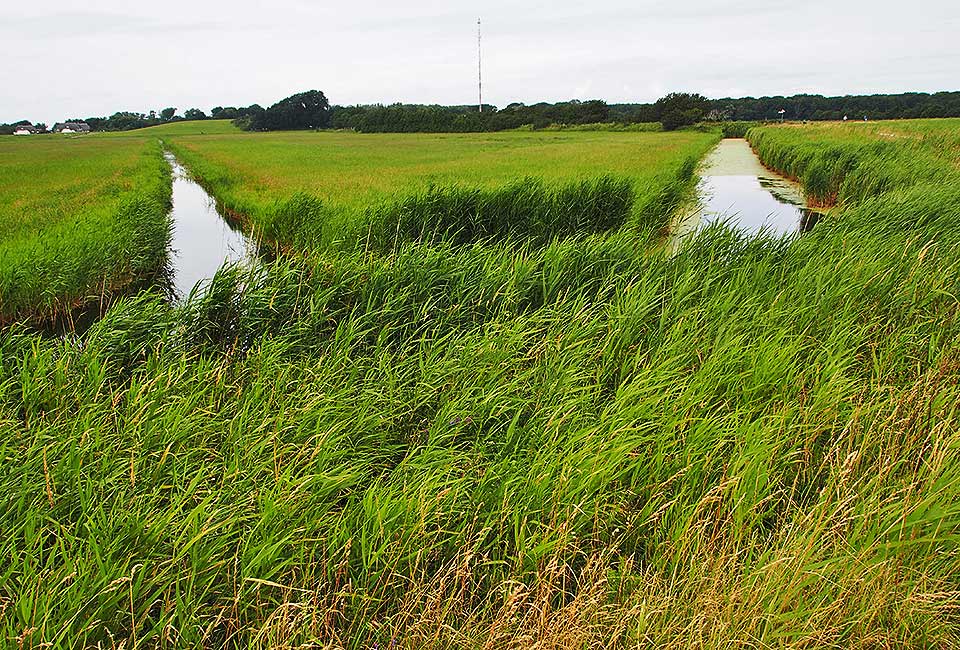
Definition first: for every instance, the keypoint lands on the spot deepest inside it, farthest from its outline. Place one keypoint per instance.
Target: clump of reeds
(525, 209)
(847, 167)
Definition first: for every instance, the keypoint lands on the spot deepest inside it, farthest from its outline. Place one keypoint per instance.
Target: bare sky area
(61, 59)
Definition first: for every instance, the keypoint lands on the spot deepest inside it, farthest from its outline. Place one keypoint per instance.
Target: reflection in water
(736, 187)
(202, 241)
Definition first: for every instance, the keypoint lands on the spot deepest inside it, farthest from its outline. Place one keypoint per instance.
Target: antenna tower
(479, 71)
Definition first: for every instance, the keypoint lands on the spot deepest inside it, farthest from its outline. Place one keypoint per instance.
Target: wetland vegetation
(467, 410)
(79, 218)
(344, 190)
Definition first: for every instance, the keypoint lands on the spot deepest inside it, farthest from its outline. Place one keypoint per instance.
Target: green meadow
(495, 412)
(335, 189)
(79, 217)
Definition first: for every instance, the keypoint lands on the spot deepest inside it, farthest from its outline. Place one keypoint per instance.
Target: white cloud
(66, 58)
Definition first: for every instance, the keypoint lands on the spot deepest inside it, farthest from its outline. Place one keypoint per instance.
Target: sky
(61, 59)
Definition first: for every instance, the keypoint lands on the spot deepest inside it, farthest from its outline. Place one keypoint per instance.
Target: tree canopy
(811, 107)
(306, 110)
(412, 118)
(680, 109)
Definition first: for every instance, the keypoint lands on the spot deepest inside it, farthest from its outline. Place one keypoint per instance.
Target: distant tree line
(413, 118)
(129, 120)
(810, 107)
(673, 111)
(126, 120)
(312, 110)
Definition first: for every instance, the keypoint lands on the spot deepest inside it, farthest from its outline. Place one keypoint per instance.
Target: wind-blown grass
(850, 162)
(506, 443)
(78, 218)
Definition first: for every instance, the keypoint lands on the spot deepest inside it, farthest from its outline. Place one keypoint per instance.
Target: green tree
(680, 109)
(307, 110)
(167, 114)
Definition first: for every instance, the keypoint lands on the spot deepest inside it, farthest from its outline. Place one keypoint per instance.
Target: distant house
(26, 129)
(71, 127)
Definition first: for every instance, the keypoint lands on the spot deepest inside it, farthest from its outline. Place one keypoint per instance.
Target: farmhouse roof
(73, 126)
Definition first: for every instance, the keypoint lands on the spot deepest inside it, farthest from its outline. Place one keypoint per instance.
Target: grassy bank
(341, 191)
(851, 162)
(754, 442)
(79, 217)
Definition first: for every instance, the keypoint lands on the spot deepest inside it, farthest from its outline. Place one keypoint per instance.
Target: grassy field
(580, 442)
(83, 216)
(189, 127)
(78, 216)
(339, 190)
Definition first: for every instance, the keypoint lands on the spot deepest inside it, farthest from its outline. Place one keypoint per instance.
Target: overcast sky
(61, 59)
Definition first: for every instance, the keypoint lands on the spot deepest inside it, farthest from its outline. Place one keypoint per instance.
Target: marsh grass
(79, 219)
(343, 191)
(505, 443)
(850, 163)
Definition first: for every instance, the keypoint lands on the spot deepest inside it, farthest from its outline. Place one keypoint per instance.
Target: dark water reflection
(737, 188)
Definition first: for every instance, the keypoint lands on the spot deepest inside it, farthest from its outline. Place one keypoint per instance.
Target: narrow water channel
(202, 240)
(737, 188)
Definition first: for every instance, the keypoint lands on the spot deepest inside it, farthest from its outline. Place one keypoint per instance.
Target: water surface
(203, 240)
(737, 188)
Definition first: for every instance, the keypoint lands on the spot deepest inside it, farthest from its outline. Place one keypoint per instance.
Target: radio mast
(479, 71)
